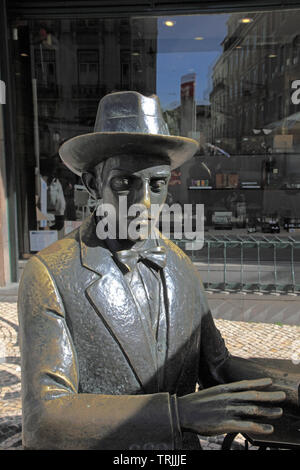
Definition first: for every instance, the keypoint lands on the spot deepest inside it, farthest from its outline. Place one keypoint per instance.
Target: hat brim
(84, 152)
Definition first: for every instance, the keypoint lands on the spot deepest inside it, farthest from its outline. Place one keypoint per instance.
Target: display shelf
(220, 189)
(201, 187)
(242, 189)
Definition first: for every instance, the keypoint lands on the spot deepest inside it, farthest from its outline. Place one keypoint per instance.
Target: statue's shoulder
(179, 256)
(61, 253)
(183, 263)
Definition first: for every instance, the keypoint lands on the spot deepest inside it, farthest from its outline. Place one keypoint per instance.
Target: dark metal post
(10, 159)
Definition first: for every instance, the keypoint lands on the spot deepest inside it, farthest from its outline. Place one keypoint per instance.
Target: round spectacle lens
(158, 185)
(120, 183)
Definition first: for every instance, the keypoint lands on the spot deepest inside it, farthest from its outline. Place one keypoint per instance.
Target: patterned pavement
(245, 339)
(10, 376)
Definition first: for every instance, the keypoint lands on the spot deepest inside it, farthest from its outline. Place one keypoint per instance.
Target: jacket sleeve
(55, 415)
(213, 351)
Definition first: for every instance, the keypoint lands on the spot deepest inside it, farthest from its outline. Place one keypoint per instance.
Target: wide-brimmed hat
(127, 123)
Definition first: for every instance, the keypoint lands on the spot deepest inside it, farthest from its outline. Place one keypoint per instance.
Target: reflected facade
(229, 81)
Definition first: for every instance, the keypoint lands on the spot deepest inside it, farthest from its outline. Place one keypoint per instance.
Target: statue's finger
(258, 411)
(254, 395)
(248, 427)
(242, 385)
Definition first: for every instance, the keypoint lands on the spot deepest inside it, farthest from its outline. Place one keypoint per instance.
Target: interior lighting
(246, 20)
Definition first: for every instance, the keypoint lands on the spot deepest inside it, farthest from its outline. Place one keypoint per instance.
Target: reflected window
(88, 67)
(45, 66)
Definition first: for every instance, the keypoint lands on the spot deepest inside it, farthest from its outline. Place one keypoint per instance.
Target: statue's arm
(219, 366)
(284, 375)
(55, 415)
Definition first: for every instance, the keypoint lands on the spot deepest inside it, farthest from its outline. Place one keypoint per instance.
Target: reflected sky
(178, 53)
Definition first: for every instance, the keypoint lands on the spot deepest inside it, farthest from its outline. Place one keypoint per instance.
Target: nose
(146, 200)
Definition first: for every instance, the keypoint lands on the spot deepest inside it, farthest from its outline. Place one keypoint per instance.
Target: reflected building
(77, 62)
(252, 79)
(63, 68)
(203, 124)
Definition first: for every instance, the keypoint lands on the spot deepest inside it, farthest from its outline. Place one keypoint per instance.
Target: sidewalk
(245, 339)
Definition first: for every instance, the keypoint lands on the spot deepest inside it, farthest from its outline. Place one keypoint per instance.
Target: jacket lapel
(111, 298)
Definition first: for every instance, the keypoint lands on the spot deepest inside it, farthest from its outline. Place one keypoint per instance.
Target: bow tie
(155, 256)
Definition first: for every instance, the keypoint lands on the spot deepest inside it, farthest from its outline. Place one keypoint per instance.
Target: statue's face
(142, 181)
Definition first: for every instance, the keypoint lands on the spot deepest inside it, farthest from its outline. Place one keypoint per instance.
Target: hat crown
(129, 111)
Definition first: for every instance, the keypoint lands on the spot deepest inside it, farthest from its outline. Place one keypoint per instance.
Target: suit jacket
(89, 371)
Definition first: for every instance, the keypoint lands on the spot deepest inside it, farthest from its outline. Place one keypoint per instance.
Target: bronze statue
(115, 334)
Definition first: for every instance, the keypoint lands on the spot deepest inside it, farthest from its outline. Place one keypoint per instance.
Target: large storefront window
(230, 81)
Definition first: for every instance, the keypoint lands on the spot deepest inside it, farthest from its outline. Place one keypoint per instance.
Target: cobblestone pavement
(10, 375)
(244, 339)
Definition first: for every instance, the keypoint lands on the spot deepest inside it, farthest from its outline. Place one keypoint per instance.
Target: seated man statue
(119, 348)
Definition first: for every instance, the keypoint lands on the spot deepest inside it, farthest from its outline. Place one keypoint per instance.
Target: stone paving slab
(245, 339)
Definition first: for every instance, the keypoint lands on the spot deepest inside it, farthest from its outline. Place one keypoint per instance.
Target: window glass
(230, 81)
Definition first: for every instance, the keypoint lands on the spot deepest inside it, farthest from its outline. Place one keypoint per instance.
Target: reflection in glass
(226, 80)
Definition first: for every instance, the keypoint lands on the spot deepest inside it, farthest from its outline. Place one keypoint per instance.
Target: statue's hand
(233, 407)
